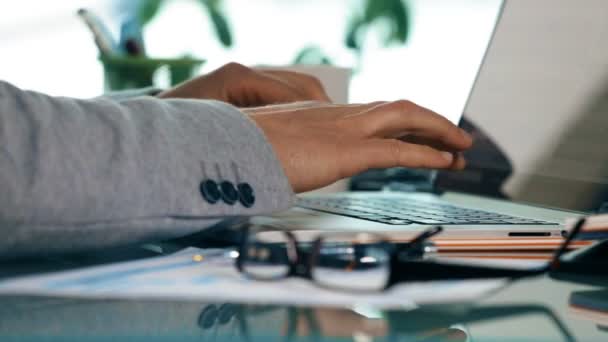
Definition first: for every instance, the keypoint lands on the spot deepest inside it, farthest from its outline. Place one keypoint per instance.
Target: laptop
(462, 213)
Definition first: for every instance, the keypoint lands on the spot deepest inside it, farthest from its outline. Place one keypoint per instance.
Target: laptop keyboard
(406, 211)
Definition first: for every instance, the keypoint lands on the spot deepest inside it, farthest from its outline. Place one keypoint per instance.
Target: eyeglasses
(364, 261)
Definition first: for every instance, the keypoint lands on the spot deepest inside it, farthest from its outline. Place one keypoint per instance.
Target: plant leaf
(353, 33)
(395, 13)
(401, 22)
(222, 29)
(374, 10)
(148, 9)
(220, 23)
(312, 55)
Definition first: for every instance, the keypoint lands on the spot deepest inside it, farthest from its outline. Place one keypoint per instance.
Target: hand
(318, 144)
(245, 87)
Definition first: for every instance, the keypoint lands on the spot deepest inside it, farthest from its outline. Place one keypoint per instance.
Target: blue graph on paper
(154, 272)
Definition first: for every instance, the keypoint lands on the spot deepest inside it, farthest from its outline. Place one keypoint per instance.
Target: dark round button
(246, 195)
(210, 191)
(207, 318)
(226, 312)
(229, 193)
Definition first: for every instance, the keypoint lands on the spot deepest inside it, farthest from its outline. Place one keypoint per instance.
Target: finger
(261, 90)
(460, 162)
(309, 85)
(422, 140)
(400, 118)
(386, 153)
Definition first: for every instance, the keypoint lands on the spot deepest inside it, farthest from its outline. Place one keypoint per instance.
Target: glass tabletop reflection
(540, 309)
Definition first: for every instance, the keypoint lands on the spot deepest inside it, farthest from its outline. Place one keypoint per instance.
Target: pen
(131, 38)
(103, 38)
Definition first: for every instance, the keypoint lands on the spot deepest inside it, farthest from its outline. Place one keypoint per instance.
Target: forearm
(125, 171)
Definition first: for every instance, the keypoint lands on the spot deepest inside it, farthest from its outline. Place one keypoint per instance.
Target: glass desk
(540, 309)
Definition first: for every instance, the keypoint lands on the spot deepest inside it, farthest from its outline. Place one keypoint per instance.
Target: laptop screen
(541, 102)
(437, 66)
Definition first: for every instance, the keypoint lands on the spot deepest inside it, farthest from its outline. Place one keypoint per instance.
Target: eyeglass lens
(352, 262)
(267, 255)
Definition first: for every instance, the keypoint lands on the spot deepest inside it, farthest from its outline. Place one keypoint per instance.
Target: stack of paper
(210, 275)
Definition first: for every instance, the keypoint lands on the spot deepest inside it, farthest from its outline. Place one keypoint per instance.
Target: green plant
(393, 13)
(148, 9)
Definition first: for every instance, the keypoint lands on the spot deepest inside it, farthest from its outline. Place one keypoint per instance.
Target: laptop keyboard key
(396, 221)
(397, 212)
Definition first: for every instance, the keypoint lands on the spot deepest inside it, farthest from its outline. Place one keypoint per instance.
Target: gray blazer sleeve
(82, 174)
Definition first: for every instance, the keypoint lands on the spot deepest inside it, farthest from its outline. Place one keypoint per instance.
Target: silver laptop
(452, 203)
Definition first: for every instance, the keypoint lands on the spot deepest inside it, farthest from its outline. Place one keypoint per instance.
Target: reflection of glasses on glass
(364, 261)
(287, 323)
(276, 323)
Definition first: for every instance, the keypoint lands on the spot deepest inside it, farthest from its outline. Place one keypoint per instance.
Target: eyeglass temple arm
(418, 242)
(407, 271)
(427, 234)
(555, 262)
(404, 270)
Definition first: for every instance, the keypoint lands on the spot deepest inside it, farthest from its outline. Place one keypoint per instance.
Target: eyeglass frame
(302, 267)
(406, 256)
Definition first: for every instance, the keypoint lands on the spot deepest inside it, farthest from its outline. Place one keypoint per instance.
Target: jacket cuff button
(228, 192)
(246, 195)
(210, 191)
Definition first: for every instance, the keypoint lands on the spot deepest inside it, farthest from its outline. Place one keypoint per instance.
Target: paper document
(210, 275)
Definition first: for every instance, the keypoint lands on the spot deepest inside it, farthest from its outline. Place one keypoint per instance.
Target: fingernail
(448, 156)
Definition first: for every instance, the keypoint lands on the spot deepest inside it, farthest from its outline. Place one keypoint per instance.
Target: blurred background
(540, 96)
(47, 48)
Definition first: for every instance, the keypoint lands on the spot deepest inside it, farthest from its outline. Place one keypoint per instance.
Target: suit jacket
(77, 174)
